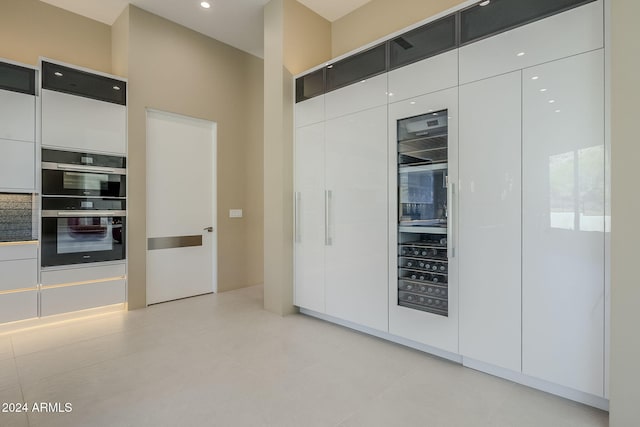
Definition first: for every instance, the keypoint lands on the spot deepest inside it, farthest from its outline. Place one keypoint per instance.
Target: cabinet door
(81, 297)
(18, 306)
(83, 124)
(367, 93)
(490, 221)
(17, 116)
(309, 218)
(427, 328)
(426, 76)
(575, 31)
(17, 166)
(309, 111)
(564, 222)
(357, 204)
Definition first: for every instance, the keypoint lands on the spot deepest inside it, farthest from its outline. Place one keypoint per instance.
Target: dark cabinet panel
(424, 42)
(310, 85)
(357, 67)
(17, 79)
(501, 15)
(82, 83)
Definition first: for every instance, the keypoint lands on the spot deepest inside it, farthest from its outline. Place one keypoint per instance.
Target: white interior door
(181, 232)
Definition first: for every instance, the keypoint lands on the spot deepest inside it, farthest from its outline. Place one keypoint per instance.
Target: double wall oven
(83, 208)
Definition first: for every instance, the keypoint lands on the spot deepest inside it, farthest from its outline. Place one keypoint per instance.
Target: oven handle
(80, 168)
(83, 214)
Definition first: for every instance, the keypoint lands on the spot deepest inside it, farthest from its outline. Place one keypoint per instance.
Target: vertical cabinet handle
(328, 240)
(452, 221)
(297, 201)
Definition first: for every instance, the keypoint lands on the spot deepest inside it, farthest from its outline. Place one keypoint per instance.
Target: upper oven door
(69, 173)
(73, 180)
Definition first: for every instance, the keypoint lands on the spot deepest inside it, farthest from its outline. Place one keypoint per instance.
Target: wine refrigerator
(423, 263)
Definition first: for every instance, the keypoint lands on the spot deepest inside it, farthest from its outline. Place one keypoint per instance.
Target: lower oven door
(82, 237)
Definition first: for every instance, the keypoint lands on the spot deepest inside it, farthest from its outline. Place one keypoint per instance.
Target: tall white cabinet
(563, 229)
(341, 248)
(18, 233)
(310, 233)
(490, 220)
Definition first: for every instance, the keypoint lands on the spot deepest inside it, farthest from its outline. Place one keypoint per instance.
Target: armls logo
(52, 407)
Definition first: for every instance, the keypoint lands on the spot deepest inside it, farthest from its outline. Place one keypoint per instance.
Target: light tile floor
(220, 360)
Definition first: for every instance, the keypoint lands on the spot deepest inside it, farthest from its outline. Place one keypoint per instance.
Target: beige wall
(31, 28)
(174, 69)
(379, 18)
(307, 38)
(294, 39)
(625, 285)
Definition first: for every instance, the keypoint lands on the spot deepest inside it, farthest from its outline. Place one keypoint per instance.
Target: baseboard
(538, 384)
(516, 377)
(386, 336)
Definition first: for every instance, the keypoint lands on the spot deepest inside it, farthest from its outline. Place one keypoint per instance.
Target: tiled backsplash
(16, 217)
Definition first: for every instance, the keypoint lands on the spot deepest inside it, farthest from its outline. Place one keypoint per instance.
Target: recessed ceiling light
(413, 103)
(535, 78)
(434, 114)
(557, 111)
(485, 2)
(543, 90)
(330, 66)
(116, 87)
(390, 93)
(205, 4)
(363, 81)
(551, 101)
(520, 54)
(58, 73)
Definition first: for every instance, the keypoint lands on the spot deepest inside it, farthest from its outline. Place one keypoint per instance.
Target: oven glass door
(79, 183)
(82, 239)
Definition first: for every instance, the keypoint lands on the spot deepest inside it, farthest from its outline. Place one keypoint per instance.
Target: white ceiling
(238, 23)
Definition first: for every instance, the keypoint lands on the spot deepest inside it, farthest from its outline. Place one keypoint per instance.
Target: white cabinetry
(575, 31)
(341, 247)
(17, 141)
(17, 116)
(309, 270)
(82, 124)
(18, 287)
(359, 96)
(356, 209)
(422, 77)
(420, 326)
(490, 221)
(80, 288)
(564, 222)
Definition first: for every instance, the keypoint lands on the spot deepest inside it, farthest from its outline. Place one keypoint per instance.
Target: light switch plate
(235, 213)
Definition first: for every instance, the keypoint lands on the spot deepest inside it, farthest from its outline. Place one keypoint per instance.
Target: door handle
(209, 229)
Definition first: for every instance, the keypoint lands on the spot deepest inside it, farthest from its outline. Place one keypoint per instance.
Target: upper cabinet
(422, 77)
(309, 112)
(83, 111)
(17, 128)
(568, 33)
(367, 93)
